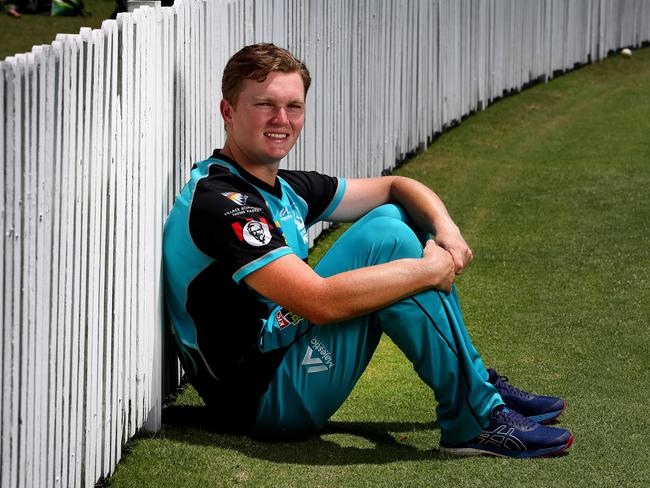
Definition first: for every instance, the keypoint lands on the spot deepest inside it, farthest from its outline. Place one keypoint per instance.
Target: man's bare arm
(423, 206)
(289, 282)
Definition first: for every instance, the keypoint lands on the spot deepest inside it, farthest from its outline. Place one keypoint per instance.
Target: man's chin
(270, 159)
(277, 155)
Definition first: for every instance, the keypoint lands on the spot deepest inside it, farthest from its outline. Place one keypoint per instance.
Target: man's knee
(387, 239)
(382, 235)
(390, 210)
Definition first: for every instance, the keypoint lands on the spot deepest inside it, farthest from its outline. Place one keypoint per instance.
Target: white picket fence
(99, 130)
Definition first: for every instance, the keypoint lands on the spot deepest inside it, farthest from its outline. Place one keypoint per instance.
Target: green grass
(19, 35)
(552, 190)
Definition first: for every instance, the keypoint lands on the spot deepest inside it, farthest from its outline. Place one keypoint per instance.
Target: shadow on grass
(377, 443)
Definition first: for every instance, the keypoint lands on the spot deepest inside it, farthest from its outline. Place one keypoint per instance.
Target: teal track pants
(323, 363)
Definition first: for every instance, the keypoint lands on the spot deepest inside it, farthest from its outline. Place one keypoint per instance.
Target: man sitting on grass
(275, 347)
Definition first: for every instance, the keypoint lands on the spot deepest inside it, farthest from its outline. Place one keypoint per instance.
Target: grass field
(552, 190)
(19, 35)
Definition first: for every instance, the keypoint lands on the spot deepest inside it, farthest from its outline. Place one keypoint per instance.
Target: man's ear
(226, 112)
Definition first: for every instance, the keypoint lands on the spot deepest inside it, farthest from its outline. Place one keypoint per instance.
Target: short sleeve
(233, 225)
(322, 193)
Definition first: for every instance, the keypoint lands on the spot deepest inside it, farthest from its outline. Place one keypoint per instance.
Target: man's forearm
(430, 214)
(362, 291)
(425, 207)
(289, 282)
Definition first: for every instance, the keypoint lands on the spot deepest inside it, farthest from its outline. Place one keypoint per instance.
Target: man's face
(267, 119)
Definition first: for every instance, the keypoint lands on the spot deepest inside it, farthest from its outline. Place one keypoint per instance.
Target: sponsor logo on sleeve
(240, 200)
(239, 211)
(285, 318)
(235, 197)
(256, 233)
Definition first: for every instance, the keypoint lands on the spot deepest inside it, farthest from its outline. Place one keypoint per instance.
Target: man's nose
(281, 116)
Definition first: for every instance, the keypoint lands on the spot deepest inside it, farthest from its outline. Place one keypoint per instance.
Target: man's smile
(276, 135)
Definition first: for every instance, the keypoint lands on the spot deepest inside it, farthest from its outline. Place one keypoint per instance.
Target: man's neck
(265, 172)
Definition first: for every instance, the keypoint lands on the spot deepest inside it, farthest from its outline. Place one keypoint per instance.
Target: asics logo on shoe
(499, 439)
(317, 364)
(502, 437)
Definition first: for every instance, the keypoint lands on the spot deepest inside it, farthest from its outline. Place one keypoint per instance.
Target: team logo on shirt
(235, 197)
(285, 214)
(255, 232)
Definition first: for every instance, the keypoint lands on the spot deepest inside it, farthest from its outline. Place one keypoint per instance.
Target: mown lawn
(552, 190)
(19, 35)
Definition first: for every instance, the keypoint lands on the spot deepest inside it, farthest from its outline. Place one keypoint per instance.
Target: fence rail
(98, 132)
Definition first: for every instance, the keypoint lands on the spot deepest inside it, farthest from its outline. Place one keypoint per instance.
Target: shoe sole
(452, 452)
(549, 417)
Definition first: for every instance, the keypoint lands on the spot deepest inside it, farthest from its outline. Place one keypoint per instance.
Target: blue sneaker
(510, 434)
(542, 409)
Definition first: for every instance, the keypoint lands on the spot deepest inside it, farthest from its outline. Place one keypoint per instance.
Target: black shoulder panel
(316, 189)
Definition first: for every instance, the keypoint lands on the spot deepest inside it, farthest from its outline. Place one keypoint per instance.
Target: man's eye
(294, 108)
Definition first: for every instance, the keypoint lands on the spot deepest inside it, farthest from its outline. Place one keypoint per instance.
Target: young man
(275, 347)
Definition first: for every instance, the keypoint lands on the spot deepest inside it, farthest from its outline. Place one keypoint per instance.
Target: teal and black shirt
(224, 225)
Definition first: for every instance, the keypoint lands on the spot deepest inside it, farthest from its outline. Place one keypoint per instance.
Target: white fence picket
(4, 360)
(28, 271)
(43, 265)
(99, 131)
(10, 360)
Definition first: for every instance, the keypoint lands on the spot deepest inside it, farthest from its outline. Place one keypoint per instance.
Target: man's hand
(442, 266)
(452, 241)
